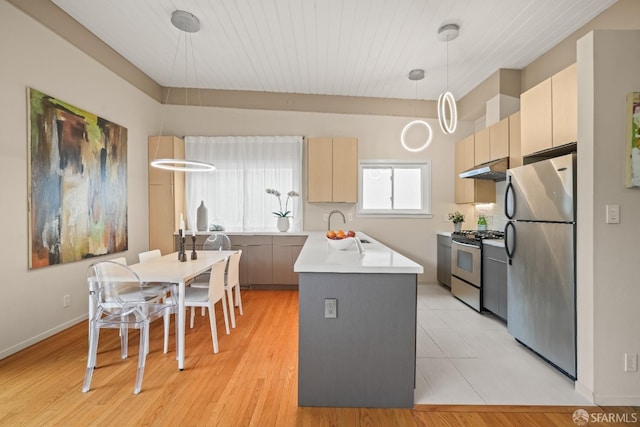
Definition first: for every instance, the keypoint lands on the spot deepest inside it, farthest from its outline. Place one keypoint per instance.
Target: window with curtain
(235, 193)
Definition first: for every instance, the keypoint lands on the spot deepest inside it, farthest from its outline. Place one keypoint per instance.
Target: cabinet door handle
(497, 260)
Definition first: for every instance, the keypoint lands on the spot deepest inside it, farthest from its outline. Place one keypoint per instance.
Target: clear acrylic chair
(122, 302)
(208, 297)
(232, 281)
(159, 290)
(217, 242)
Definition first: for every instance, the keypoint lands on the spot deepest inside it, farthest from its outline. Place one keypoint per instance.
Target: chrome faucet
(331, 213)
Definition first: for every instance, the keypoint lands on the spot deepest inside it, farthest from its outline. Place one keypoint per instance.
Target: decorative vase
(283, 223)
(203, 217)
(457, 226)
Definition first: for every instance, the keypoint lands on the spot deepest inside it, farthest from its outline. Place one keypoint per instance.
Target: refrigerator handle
(509, 200)
(510, 249)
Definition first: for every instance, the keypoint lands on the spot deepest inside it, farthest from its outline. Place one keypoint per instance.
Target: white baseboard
(617, 400)
(46, 334)
(585, 391)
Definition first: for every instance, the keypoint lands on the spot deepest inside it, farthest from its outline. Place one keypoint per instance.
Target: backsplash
(494, 212)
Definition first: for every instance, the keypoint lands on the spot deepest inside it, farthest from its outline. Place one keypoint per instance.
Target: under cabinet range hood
(495, 170)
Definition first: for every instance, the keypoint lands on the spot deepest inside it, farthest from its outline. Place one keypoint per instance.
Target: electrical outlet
(330, 308)
(67, 300)
(325, 217)
(446, 217)
(630, 362)
(350, 216)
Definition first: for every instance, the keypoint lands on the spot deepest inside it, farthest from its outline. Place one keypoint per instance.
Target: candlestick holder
(180, 247)
(194, 254)
(183, 255)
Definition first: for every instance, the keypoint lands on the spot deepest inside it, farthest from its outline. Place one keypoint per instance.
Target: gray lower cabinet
(267, 260)
(494, 280)
(444, 260)
(285, 253)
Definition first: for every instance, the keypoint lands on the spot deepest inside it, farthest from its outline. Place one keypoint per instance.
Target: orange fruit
(331, 234)
(340, 234)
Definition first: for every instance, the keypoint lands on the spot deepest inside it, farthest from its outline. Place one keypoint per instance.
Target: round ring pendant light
(416, 75)
(447, 104)
(409, 126)
(179, 165)
(446, 101)
(187, 23)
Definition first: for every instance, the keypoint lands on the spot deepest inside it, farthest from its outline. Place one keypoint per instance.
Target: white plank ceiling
(332, 47)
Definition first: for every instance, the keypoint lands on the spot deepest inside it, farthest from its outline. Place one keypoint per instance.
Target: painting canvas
(77, 183)
(633, 143)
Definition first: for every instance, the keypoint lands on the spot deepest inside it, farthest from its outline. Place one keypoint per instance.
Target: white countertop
(317, 256)
(247, 233)
(494, 242)
(444, 233)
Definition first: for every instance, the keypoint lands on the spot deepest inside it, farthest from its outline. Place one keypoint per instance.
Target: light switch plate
(613, 214)
(330, 308)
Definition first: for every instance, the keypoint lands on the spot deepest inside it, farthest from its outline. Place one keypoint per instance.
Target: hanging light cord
(166, 98)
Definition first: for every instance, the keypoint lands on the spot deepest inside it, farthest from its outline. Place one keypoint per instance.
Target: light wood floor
(251, 382)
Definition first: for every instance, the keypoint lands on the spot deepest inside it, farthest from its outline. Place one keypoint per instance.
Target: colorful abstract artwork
(77, 183)
(633, 143)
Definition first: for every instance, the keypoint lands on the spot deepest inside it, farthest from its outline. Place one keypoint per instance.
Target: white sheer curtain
(235, 193)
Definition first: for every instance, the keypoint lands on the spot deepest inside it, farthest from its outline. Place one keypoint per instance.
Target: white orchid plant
(283, 213)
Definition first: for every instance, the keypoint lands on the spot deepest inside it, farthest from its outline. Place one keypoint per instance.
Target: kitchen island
(357, 325)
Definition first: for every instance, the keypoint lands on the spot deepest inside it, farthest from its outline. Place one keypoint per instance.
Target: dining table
(169, 269)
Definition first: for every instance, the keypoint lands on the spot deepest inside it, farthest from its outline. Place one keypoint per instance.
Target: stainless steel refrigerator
(540, 240)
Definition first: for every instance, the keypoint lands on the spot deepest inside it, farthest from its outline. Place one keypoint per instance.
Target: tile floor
(464, 357)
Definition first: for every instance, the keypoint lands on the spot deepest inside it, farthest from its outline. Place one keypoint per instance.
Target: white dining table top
(169, 269)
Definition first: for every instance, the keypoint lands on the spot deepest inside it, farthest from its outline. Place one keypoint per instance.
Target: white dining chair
(215, 242)
(208, 297)
(146, 257)
(232, 281)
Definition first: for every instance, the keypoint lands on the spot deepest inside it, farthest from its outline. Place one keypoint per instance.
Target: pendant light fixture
(187, 23)
(446, 101)
(416, 75)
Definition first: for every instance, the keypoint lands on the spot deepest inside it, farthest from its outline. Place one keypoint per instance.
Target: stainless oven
(466, 273)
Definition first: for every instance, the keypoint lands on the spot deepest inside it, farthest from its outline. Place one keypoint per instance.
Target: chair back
(233, 271)
(216, 280)
(114, 287)
(120, 260)
(149, 255)
(217, 242)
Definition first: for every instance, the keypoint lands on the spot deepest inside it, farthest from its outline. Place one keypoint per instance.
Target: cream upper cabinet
(492, 143)
(332, 170)
(482, 147)
(470, 190)
(536, 121)
(499, 146)
(550, 112)
(166, 193)
(515, 152)
(564, 87)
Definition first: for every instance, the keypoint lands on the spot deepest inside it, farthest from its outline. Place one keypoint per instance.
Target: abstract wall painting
(633, 143)
(77, 183)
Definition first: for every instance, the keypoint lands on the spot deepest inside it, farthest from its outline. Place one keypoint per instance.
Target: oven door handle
(465, 244)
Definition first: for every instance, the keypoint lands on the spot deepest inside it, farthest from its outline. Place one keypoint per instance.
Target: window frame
(424, 166)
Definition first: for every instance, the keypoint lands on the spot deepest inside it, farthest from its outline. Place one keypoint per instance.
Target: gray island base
(361, 350)
(365, 357)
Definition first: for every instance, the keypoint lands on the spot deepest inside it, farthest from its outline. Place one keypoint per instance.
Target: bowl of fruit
(340, 239)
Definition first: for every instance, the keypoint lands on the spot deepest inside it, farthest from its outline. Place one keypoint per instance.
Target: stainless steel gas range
(466, 265)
